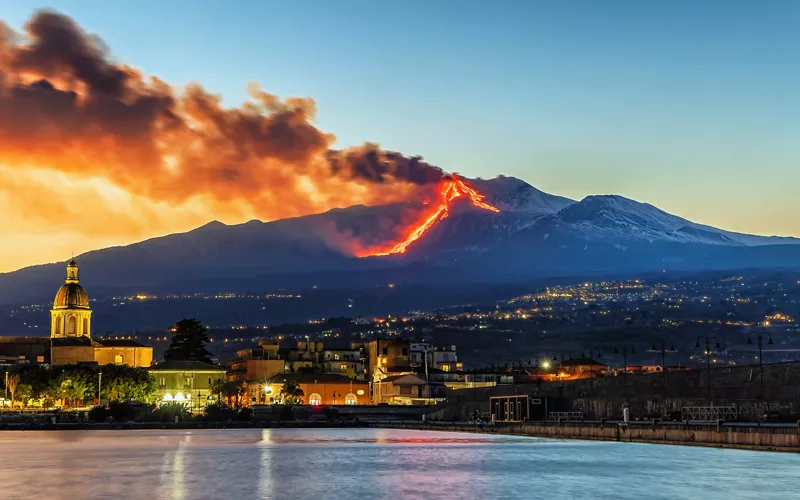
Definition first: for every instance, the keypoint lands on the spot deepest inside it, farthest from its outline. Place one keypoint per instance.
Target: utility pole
(760, 340)
(663, 350)
(707, 340)
(99, 386)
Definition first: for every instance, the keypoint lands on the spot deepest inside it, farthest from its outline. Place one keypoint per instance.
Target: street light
(663, 350)
(707, 339)
(624, 349)
(760, 340)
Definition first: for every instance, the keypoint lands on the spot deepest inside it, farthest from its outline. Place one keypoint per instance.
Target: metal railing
(708, 413)
(565, 416)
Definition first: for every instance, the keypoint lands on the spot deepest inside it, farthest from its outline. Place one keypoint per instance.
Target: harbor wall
(752, 437)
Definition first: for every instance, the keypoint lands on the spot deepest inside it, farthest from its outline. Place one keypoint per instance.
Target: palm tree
(291, 394)
(13, 383)
(217, 387)
(24, 392)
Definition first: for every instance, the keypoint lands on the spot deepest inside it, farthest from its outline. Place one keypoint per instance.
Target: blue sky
(690, 106)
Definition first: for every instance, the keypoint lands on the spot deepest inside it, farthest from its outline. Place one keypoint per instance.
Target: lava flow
(450, 190)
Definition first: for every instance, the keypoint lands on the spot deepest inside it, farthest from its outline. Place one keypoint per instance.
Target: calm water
(375, 464)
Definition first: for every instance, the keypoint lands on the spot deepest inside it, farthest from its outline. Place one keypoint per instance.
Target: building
(408, 389)
(187, 381)
(25, 350)
(70, 339)
(443, 358)
(387, 357)
(70, 331)
(257, 364)
(257, 367)
(321, 389)
(581, 368)
(71, 316)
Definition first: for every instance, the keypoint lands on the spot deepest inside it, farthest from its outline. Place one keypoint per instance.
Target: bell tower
(71, 315)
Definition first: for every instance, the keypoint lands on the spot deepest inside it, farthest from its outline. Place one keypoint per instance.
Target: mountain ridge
(534, 234)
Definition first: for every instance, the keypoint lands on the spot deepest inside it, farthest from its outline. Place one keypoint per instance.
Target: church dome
(71, 295)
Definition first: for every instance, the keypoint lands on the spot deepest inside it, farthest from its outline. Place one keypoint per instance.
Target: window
(350, 399)
(209, 381)
(59, 326)
(385, 351)
(343, 367)
(40, 359)
(72, 325)
(315, 399)
(162, 382)
(187, 382)
(86, 326)
(336, 357)
(405, 351)
(445, 368)
(118, 359)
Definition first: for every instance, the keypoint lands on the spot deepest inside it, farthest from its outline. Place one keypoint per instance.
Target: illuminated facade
(189, 382)
(70, 331)
(71, 316)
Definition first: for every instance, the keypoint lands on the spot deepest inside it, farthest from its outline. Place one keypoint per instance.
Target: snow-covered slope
(510, 194)
(612, 216)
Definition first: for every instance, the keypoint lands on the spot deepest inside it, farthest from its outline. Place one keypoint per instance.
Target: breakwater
(765, 437)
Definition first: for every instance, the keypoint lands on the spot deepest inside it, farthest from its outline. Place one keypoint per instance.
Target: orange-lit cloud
(94, 153)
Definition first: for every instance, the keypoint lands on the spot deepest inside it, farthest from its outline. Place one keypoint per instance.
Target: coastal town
(415, 360)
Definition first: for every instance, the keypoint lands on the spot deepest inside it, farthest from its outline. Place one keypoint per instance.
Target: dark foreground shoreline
(785, 438)
(111, 426)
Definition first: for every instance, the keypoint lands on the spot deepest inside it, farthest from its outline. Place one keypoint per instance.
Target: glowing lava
(450, 190)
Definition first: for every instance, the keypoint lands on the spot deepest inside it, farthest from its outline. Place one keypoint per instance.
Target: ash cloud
(66, 105)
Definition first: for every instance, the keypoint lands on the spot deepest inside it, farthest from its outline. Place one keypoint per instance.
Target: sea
(375, 464)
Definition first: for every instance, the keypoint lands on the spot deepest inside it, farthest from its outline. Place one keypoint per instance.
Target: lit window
(315, 399)
(40, 359)
(350, 399)
(118, 359)
(446, 368)
(343, 367)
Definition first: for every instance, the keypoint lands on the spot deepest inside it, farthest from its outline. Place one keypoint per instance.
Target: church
(70, 339)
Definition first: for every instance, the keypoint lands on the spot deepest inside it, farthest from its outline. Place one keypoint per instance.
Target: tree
(73, 385)
(24, 393)
(13, 384)
(291, 394)
(233, 392)
(123, 383)
(189, 342)
(218, 387)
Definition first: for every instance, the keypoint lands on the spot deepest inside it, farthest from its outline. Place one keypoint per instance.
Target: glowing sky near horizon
(689, 106)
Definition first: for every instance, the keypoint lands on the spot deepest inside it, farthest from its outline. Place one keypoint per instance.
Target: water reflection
(373, 464)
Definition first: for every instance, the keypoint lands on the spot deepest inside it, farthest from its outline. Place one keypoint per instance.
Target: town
(607, 330)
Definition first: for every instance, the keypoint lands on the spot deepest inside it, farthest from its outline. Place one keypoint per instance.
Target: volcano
(486, 231)
(449, 191)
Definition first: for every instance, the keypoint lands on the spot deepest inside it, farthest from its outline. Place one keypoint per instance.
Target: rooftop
(185, 366)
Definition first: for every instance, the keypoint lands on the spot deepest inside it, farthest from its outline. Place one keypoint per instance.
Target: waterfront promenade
(748, 436)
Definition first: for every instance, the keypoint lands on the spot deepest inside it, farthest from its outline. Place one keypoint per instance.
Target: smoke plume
(68, 109)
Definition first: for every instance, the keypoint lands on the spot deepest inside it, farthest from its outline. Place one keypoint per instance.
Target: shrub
(98, 414)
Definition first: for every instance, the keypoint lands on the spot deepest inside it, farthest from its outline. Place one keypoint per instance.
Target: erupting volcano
(450, 189)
